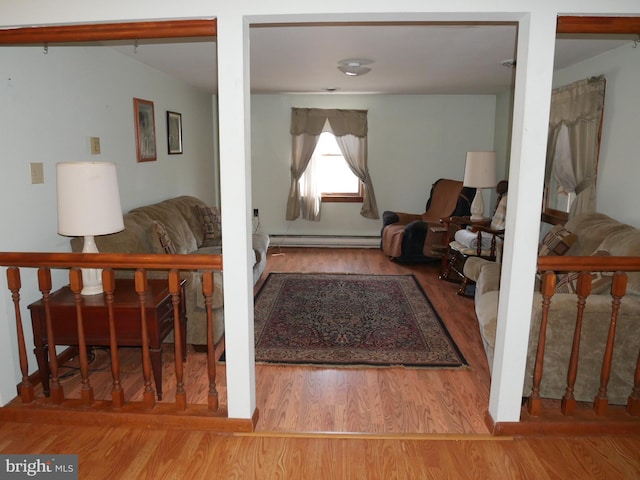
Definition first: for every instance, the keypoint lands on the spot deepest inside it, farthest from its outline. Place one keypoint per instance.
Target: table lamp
(88, 205)
(479, 172)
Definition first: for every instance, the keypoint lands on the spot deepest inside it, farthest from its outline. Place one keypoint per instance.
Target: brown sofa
(178, 225)
(595, 233)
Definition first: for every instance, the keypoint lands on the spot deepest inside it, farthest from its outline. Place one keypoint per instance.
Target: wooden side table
(126, 309)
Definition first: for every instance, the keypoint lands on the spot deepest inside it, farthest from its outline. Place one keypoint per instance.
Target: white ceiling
(407, 59)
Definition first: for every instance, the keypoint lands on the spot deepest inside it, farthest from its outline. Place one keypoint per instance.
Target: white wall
(413, 141)
(51, 104)
(619, 167)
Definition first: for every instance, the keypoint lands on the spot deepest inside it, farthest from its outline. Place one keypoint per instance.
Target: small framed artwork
(145, 124)
(174, 132)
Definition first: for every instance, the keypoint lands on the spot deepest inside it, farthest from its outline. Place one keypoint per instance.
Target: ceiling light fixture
(353, 67)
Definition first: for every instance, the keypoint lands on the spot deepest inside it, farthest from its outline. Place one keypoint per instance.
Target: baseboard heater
(329, 241)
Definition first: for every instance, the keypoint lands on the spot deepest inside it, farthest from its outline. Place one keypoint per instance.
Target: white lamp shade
(480, 170)
(88, 199)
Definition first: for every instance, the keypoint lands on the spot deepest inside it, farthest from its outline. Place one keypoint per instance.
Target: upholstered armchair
(414, 238)
(468, 238)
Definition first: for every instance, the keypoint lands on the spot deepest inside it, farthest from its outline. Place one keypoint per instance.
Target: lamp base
(91, 281)
(91, 277)
(477, 206)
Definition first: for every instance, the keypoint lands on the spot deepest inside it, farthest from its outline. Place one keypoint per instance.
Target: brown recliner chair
(414, 238)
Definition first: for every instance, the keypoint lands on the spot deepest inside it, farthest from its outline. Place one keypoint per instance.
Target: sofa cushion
(170, 215)
(557, 241)
(488, 278)
(163, 238)
(210, 218)
(487, 313)
(600, 281)
(138, 236)
(592, 229)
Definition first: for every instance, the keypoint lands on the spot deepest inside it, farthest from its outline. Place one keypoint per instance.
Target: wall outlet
(255, 212)
(95, 145)
(37, 173)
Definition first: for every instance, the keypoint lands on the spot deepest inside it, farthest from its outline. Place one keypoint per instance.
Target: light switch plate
(95, 145)
(37, 173)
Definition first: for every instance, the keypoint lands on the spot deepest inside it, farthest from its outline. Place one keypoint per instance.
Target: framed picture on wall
(145, 124)
(174, 132)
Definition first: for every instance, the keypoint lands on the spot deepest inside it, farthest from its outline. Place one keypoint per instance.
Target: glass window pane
(332, 172)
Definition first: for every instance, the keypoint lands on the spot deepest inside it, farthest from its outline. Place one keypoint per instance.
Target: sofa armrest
(260, 243)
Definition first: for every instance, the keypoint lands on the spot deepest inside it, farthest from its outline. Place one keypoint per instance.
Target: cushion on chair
(443, 200)
(499, 219)
(392, 239)
(469, 239)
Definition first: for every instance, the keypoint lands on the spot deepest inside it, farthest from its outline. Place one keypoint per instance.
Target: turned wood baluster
(109, 286)
(14, 283)
(174, 289)
(618, 289)
(148, 397)
(207, 291)
(568, 403)
(45, 286)
(534, 404)
(633, 403)
(86, 390)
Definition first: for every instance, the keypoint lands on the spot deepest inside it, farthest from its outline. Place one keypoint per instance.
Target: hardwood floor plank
(405, 398)
(139, 454)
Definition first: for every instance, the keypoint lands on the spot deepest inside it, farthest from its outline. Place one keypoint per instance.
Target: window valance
(581, 101)
(312, 121)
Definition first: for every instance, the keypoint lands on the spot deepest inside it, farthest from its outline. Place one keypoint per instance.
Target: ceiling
(407, 59)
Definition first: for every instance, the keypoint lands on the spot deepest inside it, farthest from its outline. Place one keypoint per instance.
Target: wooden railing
(565, 415)
(618, 266)
(180, 412)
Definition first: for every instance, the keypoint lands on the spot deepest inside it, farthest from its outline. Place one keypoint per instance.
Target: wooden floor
(345, 423)
(378, 400)
(124, 454)
(347, 400)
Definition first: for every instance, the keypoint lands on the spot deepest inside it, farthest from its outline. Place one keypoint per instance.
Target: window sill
(337, 198)
(554, 217)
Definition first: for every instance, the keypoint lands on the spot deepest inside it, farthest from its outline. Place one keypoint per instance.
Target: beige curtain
(574, 128)
(302, 147)
(354, 150)
(310, 194)
(350, 129)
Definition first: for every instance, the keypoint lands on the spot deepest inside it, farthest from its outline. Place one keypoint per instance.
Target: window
(557, 200)
(349, 130)
(573, 146)
(335, 180)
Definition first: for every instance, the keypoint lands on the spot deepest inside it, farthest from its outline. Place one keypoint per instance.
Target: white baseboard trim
(328, 241)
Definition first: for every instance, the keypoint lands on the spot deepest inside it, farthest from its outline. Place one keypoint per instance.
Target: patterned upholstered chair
(414, 238)
(474, 239)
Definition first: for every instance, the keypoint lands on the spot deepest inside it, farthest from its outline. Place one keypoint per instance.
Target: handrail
(109, 263)
(588, 263)
(112, 260)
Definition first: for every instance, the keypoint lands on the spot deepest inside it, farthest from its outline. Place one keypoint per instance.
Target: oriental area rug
(350, 320)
